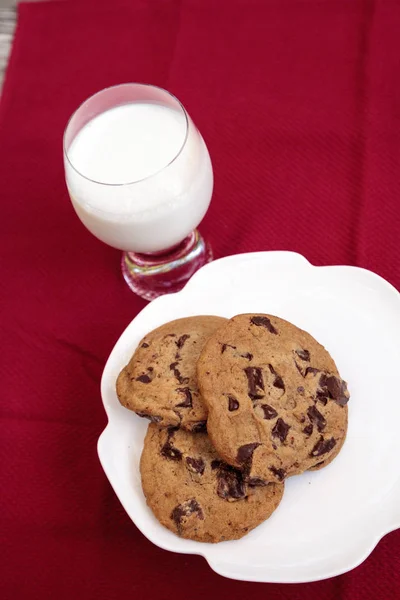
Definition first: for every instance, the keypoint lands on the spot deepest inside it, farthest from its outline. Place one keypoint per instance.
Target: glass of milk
(140, 179)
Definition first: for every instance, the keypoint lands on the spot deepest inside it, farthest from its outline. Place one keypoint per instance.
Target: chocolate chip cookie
(196, 495)
(160, 381)
(277, 404)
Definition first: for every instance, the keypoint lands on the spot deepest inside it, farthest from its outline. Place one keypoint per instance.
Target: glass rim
(120, 85)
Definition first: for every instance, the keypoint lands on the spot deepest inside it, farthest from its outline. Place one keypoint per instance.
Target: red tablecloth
(299, 102)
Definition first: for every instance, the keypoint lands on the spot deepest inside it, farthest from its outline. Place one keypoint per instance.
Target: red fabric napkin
(299, 104)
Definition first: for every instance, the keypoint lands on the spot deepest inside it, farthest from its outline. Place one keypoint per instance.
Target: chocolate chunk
(215, 464)
(171, 430)
(280, 430)
(186, 509)
(300, 389)
(233, 404)
(323, 380)
(299, 369)
(230, 484)
(225, 346)
(335, 388)
(311, 370)
(195, 464)
(245, 453)
(168, 450)
(322, 397)
(182, 340)
(323, 446)
(200, 427)
(153, 418)
(342, 401)
(263, 322)
(318, 464)
(179, 377)
(256, 482)
(278, 381)
(269, 412)
(187, 403)
(279, 473)
(303, 354)
(308, 429)
(145, 345)
(255, 382)
(316, 417)
(247, 355)
(143, 378)
(177, 374)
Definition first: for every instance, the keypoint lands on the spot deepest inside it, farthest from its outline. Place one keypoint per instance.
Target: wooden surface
(7, 27)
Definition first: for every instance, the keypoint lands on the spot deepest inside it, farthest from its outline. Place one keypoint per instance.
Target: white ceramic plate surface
(328, 521)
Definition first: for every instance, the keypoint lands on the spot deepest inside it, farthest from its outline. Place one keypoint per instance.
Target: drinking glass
(153, 218)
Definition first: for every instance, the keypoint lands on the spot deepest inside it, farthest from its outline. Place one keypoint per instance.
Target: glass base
(152, 275)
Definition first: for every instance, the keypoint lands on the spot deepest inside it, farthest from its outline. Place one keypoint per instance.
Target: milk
(128, 143)
(139, 176)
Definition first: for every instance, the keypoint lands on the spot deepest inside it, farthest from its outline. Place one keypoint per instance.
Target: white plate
(328, 521)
